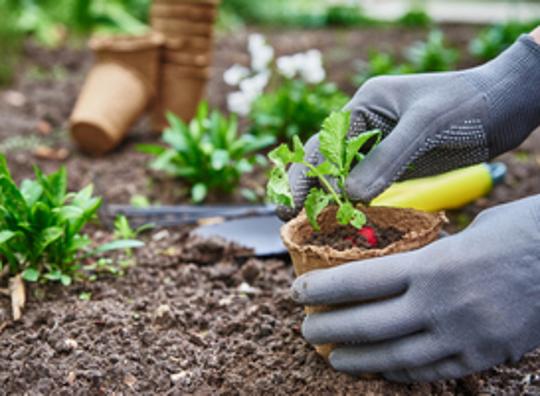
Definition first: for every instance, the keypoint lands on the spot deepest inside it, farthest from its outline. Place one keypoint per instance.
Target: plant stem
(325, 183)
(343, 189)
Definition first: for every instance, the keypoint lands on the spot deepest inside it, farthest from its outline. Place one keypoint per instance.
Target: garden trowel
(257, 226)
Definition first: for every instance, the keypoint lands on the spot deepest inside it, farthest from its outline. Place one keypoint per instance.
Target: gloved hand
(460, 305)
(433, 123)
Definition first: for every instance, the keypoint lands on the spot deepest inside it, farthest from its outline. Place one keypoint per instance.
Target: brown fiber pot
(139, 53)
(117, 90)
(181, 90)
(419, 228)
(186, 11)
(186, 58)
(181, 28)
(189, 44)
(111, 100)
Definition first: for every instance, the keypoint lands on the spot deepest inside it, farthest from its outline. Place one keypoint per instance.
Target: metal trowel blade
(261, 234)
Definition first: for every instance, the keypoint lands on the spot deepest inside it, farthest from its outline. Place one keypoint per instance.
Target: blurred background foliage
(54, 22)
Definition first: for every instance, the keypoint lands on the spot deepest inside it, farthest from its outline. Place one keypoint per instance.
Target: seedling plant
(208, 153)
(41, 227)
(432, 55)
(340, 153)
(493, 40)
(295, 108)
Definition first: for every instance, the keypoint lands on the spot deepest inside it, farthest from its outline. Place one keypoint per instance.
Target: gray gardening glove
(433, 123)
(460, 305)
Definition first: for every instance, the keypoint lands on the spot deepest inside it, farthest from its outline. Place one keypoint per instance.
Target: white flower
(313, 74)
(234, 74)
(307, 64)
(312, 70)
(254, 86)
(255, 42)
(239, 103)
(261, 53)
(313, 57)
(287, 66)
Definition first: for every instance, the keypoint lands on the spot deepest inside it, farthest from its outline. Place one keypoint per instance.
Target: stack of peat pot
(187, 26)
(118, 89)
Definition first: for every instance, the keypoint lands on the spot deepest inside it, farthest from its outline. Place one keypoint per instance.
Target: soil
(347, 237)
(191, 317)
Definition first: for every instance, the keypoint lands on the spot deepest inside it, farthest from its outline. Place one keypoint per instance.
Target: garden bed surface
(190, 317)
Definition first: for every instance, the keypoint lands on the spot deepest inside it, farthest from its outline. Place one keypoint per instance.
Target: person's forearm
(536, 34)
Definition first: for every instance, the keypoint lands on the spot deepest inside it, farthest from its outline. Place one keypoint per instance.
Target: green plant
(123, 230)
(380, 63)
(10, 44)
(415, 17)
(208, 153)
(431, 55)
(340, 154)
(41, 227)
(493, 40)
(299, 13)
(49, 20)
(295, 108)
(346, 16)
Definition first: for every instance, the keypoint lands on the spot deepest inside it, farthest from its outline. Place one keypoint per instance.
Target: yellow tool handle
(447, 191)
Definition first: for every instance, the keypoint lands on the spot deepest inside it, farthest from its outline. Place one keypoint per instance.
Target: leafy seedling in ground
(208, 153)
(41, 226)
(123, 231)
(340, 153)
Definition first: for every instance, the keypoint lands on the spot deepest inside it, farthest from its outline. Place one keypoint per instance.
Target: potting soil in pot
(347, 237)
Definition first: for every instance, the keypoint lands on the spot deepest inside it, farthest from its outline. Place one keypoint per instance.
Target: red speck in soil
(350, 238)
(369, 234)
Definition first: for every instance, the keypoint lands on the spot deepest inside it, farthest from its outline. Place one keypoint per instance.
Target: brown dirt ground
(191, 318)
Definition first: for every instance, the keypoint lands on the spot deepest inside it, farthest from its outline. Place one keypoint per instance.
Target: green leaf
(324, 169)
(4, 169)
(122, 229)
(176, 137)
(151, 149)
(31, 191)
(69, 212)
(333, 137)
(315, 203)
(47, 237)
(85, 296)
(278, 190)
(219, 160)
(65, 280)
(359, 219)
(41, 216)
(199, 192)
(355, 144)
(12, 199)
(30, 274)
(299, 152)
(6, 235)
(139, 201)
(58, 185)
(244, 166)
(252, 143)
(345, 213)
(348, 214)
(282, 155)
(119, 245)
(53, 275)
